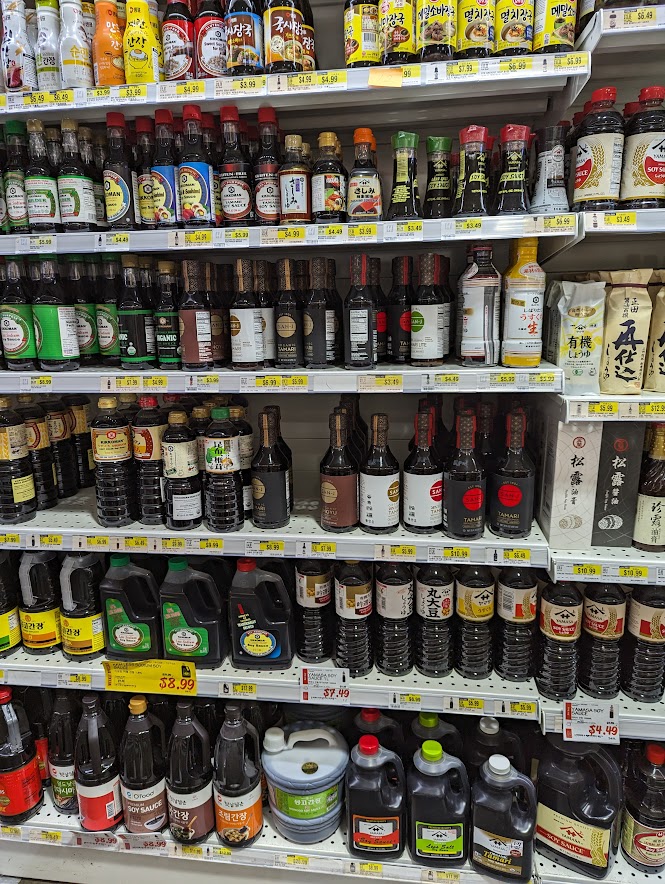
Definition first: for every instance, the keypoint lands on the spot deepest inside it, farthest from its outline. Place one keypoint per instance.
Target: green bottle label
(86, 329)
(107, 330)
(55, 330)
(17, 202)
(181, 639)
(305, 807)
(18, 331)
(440, 840)
(124, 634)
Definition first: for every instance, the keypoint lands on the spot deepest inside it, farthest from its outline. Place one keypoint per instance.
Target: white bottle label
(293, 194)
(649, 521)
(246, 444)
(379, 500)
(435, 602)
(394, 602)
(523, 313)
(42, 196)
(516, 605)
(187, 506)
(68, 326)
(423, 500)
(427, 324)
(353, 602)
(598, 167)
(77, 199)
(313, 591)
(480, 306)
(268, 332)
(246, 335)
(644, 166)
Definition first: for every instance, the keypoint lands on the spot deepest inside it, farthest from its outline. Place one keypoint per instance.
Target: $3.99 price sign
(596, 721)
(151, 677)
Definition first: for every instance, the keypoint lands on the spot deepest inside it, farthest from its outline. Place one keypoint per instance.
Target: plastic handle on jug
(614, 788)
(24, 579)
(309, 737)
(282, 592)
(516, 749)
(209, 592)
(66, 585)
(159, 724)
(203, 737)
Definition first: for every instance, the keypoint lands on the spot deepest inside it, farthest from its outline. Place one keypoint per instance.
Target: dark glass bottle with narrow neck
(512, 485)
(423, 481)
(359, 348)
(464, 485)
(380, 320)
(472, 194)
(270, 478)
(329, 180)
(512, 195)
(41, 187)
(145, 134)
(246, 334)
(54, 312)
(163, 171)
(439, 196)
(16, 322)
(354, 441)
(358, 425)
(167, 330)
(284, 448)
(379, 482)
(82, 291)
(339, 481)
(266, 168)
(136, 326)
(265, 299)
(121, 212)
(400, 298)
(288, 317)
(107, 312)
(194, 320)
(318, 320)
(194, 178)
(404, 201)
(485, 437)
(77, 198)
(430, 316)
(235, 174)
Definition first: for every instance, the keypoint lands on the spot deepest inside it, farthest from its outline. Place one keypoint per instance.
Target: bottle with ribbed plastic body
(433, 624)
(474, 591)
(560, 628)
(60, 437)
(39, 451)
(224, 508)
(603, 622)
(643, 646)
(353, 606)
(315, 615)
(393, 633)
(78, 407)
(246, 444)
(18, 500)
(115, 476)
(516, 626)
(182, 480)
(148, 427)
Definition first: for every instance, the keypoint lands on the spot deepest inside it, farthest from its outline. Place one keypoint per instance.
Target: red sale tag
(325, 685)
(595, 721)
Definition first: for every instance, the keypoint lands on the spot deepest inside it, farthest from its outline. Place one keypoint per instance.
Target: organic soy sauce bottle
(182, 480)
(115, 476)
(167, 327)
(603, 622)
(136, 324)
(643, 646)
(78, 408)
(96, 769)
(142, 768)
(474, 591)
(189, 778)
(560, 628)
(393, 634)
(353, 606)
(315, 615)
(39, 451)
(61, 736)
(433, 625)
(148, 427)
(516, 628)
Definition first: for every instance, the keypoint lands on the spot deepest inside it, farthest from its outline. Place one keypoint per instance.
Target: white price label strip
(596, 721)
(326, 685)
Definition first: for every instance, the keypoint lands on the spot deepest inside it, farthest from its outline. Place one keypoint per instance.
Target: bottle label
(646, 623)
(181, 639)
(598, 167)
(308, 49)
(360, 346)
(42, 199)
(187, 506)
(144, 810)
(573, 838)
(17, 203)
(244, 40)
(100, 203)
(269, 497)
(86, 328)
(440, 840)
(247, 500)
(18, 331)
(181, 459)
(111, 444)
(82, 635)
(313, 590)
(517, 605)
(210, 48)
(353, 602)
(511, 503)
(365, 197)
(21, 789)
(13, 442)
(284, 31)
(328, 193)
(550, 187)
(513, 21)
(435, 602)
(246, 335)
(58, 426)
(643, 166)
(146, 205)
(361, 34)
(397, 26)
(107, 329)
(649, 521)
(23, 489)
(195, 335)
(304, 807)
(4, 219)
(266, 192)
(238, 818)
(222, 456)
(423, 500)
(40, 630)
(379, 500)
(644, 844)
(194, 184)
(376, 834)
(136, 331)
(178, 46)
(125, 635)
(602, 620)
(36, 434)
(236, 196)
(217, 199)
(339, 500)
(293, 193)
(437, 23)
(165, 195)
(167, 334)
(100, 806)
(394, 602)
(246, 446)
(523, 312)
(480, 306)
(10, 630)
(499, 853)
(147, 442)
(463, 506)
(427, 322)
(288, 328)
(554, 24)
(475, 603)
(475, 25)
(55, 331)
(563, 623)
(64, 787)
(77, 199)
(192, 815)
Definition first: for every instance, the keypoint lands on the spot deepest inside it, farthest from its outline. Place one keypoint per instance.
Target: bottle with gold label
(361, 34)
(115, 474)
(283, 32)
(18, 502)
(524, 294)
(397, 31)
(475, 28)
(436, 29)
(140, 46)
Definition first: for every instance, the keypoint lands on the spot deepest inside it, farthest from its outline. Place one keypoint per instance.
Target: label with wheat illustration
(646, 623)
(644, 166)
(598, 167)
(573, 838)
(602, 620)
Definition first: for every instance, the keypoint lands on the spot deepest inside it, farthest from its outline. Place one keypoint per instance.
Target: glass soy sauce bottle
(512, 196)
(472, 194)
(438, 196)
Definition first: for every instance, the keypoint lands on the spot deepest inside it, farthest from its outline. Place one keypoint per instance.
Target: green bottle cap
(119, 559)
(220, 414)
(405, 139)
(431, 751)
(48, 4)
(15, 127)
(428, 719)
(435, 143)
(177, 563)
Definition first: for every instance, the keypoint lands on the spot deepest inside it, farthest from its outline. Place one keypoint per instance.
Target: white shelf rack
(613, 30)
(637, 721)
(599, 564)
(645, 406)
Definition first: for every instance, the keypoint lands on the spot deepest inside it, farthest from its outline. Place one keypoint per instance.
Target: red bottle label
(20, 790)
(210, 47)
(178, 42)
(380, 834)
(100, 806)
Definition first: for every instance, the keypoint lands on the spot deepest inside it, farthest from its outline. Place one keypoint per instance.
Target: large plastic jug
(375, 801)
(130, 600)
(489, 738)
(580, 796)
(503, 821)
(192, 622)
(40, 601)
(429, 726)
(387, 731)
(261, 619)
(81, 620)
(439, 808)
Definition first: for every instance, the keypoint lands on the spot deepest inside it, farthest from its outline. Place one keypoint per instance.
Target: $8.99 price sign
(594, 722)
(325, 685)
(151, 677)
(171, 685)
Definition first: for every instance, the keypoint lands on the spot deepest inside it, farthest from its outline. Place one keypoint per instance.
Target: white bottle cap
(499, 765)
(273, 741)
(489, 725)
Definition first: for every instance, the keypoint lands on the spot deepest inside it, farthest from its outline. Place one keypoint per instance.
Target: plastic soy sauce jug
(192, 622)
(580, 797)
(39, 612)
(487, 739)
(81, 621)
(96, 769)
(428, 726)
(20, 780)
(439, 808)
(260, 619)
(189, 778)
(130, 600)
(503, 821)
(375, 801)
(142, 770)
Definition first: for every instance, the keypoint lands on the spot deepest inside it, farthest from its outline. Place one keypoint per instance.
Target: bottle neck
(658, 444)
(466, 432)
(37, 147)
(47, 271)
(70, 145)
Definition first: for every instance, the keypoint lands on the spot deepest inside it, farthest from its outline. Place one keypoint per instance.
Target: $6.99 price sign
(594, 722)
(325, 685)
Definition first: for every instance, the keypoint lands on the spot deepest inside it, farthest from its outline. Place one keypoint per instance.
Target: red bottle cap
(655, 753)
(490, 142)
(229, 113)
(114, 119)
(474, 133)
(177, 124)
(191, 112)
(652, 93)
(512, 132)
(5, 695)
(144, 124)
(245, 565)
(577, 118)
(368, 745)
(266, 115)
(148, 401)
(607, 93)
(207, 121)
(370, 714)
(163, 116)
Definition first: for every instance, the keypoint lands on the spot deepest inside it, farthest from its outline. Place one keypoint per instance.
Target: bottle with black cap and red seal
(643, 175)
(464, 485)
(599, 155)
(235, 173)
(472, 195)
(512, 484)
(194, 174)
(178, 41)
(120, 182)
(398, 311)
(20, 781)
(266, 168)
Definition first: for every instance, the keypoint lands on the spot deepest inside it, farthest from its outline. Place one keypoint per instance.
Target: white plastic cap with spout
(499, 765)
(273, 740)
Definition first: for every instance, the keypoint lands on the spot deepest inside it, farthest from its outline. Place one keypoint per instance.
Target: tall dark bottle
(288, 317)
(18, 499)
(430, 316)
(60, 437)
(603, 621)
(379, 482)
(400, 298)
(115, 478)
(516, 628)
(433, 625)
(315, 615)
(75, 190)
(39, 451)
(142, 763)
(353, 607)
(644, 811)
(404, 200)
(224, 507)
(464, 485)
(41, 188)
(270, 478)
(560, 627)
(422, 509)
(61, 737)
(393, 633)
(247, 353)
(167, 326)
(20, 781)
(266, 167)
(10, 630)
(599, 154)
(284, 448)
(643, 646)
(189, 778)
(512, 484)
(78, 408)
(82, 291)
(136, 323)
(194, 319)
(235, 173)
(107, 311)
(182, 479)
(120, 184)
(318, 319)
(55, 317)
(16, 319)
(359, 332)
(194, 172)
(474, 604)
(165, 195)
(339, 480)
(148, 427)
(96, 769)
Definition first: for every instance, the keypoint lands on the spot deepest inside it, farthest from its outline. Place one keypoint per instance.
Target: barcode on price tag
(594, 722)
(325, 685)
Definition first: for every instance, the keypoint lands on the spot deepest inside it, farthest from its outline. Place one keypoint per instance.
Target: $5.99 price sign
(325, 685)
(594, 722)
(151, 677)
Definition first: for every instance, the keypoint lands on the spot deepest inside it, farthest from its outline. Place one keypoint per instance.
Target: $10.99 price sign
(325, 685)
(594, 722)
(151, 677)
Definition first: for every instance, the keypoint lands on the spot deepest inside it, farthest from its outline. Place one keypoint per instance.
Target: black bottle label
(463, 506)
(399, 332)
(314, 322)
(500, 854)
(136, 330)
(511, 503)
(288, 325)
(269, 497)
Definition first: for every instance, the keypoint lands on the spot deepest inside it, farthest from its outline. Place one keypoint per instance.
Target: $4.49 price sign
(594, 722)
(325, 685)
(151, 677)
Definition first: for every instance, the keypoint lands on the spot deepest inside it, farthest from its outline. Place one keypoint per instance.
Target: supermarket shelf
(613, 31)
(604, 563)
(72, 525)
(597, 407)
(395, 233)
(384, 379)
(639, 721)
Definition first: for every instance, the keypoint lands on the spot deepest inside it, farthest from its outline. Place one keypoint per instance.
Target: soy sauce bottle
(148, 427)
(516, 626)
(288, 317)
(122, 213)
(78, 407)
(136, 324)
(359, 334)
(603, 621)
(182, 480)
(315, 615)
(398, 311)
(560, 627)
(643, 646)
(472, 195)
(235, 174)
(142, 768)
(20, 780)
(433, 625)
(353, 607)
(270, 479)
(599, 154)
(439, 196)
(645, 132)
(404, 200)
(39, 450)
(512, 196)
(54, 313)
(18, 501)
(194, 320)
(318, 320)
(16, 320)
(61, 736)
(474, 591)
(117, 503)
(189, 778)
(167, 328)
(96, 769)
(393, 635)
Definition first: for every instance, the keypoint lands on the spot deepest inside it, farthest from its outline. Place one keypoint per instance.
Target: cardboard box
(618, 481)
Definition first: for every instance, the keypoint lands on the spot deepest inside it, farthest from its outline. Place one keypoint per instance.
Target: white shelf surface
(606, 563)
(637, 720)
(612, 31)
(645, 406)
(449, 378)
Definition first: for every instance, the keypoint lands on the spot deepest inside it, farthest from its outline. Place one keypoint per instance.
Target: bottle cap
(607, 93)
(515, 133)
(431, 751)
(437, 144)
(405, 139)
(119, 560)
(327, 139)
(191, 112)
(127, 397)
(499, 765)
(473, 133)
(428, 719)
(245, 565)
(266, 115)
(38, 126)
(370, 714)
(163, 117)
(368, 745)
(148, 401)
(229, 113)
(488, 725)
(200, 411)
(107, 402)
(633, 107)
(362, 136)
(144, 124)
(177, 563)
(4, 402)
(5, 695)
(114, 119)
(293, 142)
(220, 414)
(138, 705)
(652, 93)
(15, 127)
(177, 418)
(655, 753)
(273, 739)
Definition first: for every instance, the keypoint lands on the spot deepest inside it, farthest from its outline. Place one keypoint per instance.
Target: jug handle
(465, 789)
(606, 763)
(282, 591)
(209, 590)
(309, 737)
(203, 736)
(159, 724)
(153, 589)
(523, 782)
(515, 747)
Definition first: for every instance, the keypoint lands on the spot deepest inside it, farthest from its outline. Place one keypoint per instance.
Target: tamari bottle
(512, 484)
(266, 168)
(464, 485)
(649, 529)
(288, 317)
(339, 481)
(379, 482)
(167, 325)
(398, 310)
(359, 333)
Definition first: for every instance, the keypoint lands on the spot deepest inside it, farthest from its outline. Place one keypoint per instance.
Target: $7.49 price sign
(325, 685)
(594, 722)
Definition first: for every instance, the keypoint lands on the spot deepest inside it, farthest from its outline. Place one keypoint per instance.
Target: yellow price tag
(249, 84)
(128, 382)
(323, 548)
(295, 381)
(50, 837)
(447, 380)
(221, 851)
(198, 238)
(294, 860)
(587, 570)
(50, 540)
(44, 380)
(10, 539)
(652, 408)
(306, 80)
(99, 94)
(136, 542)
(457, 552)
(291, 234)
(173, 544)
(515, 65)
(408, 227)
(603, 407)
(207, 380)
(332, 78)
(269, 382)
(632, 572)
(523, 708)
(10, 831)
(245, 690)
(389, 381)
(97, 542)
(371, 869)
(517, 555)
(191, 87)
(462, 68)
(362, 231)
(543, 377)
(620, 219)
(236, 235)
(132, 93)
(155, 382)
(560, 223)
(38, 99)
(504, 378)
(411, 74)
(151, 677)
(570, 60)
(216, 543)
(471, 703)
(80, 678)
(330, 231)
(273, 546)
(468, 225)
(646, 15)
(402, 551)
(191, 850)
(117, 239)
(410, 699)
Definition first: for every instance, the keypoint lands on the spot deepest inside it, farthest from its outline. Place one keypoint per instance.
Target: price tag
(44, 836)
(3, 103)
(249, 85)
(571, 61)
(613, 221)
(131, 382)
(242, 691)
(99, 95)
(264, 547)
(382, 383)
(560, 224)
(463, 68)
(136, 542)
(295, 383)
(403, 231)
(172, 544)
(652, 408)
(291, 234)
(237, 237)
(189, 88)
(212, 543)
(633, 572)
(325, 685)
(374, 870)
(503, 379)
(269, 382)
(331, 233)
(405, 701)
(151, 677)
(145, 843)
(439, 877)
(293, 859)
(39, 99)
(10, 832)
(542, 379)
(362, 232)
(133, 93)
(320, 549)
(468, 225)
(524, 709)
(10, 540)
(219, 852)
(193, 851)
(155, 382)
(394, 552)
(202, 383)
(520, 556)
(448, 381)
(457, 553)
(42, 243)
(639, 18)
(198, 238)
(97, 543)
(411, 75)
(332, 80)
(594, 722)
(42, 382)
(50, 541)
(115, 240)
(471, 704)
(587, 570)
(515, 65)
(298, 82)
(601, 408)
(98, 840)
(73, 680)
